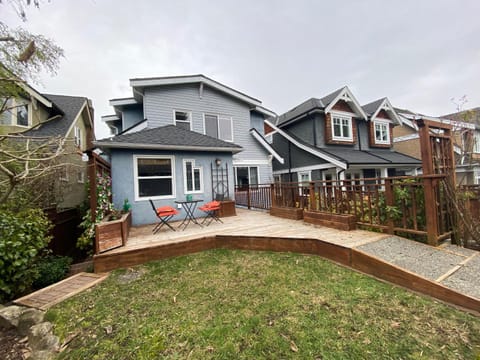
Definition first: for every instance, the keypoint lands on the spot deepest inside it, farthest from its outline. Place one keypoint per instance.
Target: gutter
(119, 145)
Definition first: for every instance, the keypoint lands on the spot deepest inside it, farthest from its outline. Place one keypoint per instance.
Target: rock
(10, 315)
(40, 337)
(29, 318)
(42, 355)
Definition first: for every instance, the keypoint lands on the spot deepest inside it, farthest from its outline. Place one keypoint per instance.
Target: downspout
(289, 162)
(358, 135)
(314, 126)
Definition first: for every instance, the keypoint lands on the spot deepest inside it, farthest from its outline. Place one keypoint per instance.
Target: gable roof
(70, 108)
(139, 83)
(169, 137)
(324, 104)
(266, 145)
(373, 109)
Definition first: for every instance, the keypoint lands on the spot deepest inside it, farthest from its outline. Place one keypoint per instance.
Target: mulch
(12, 345)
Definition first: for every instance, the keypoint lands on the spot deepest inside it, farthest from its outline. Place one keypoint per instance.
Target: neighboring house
(334, 137)
(67, 117)
(184, 135)
(466, 138)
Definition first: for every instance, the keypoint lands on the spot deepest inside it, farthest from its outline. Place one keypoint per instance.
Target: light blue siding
(123, 182)
(131, 116)
(160, 103)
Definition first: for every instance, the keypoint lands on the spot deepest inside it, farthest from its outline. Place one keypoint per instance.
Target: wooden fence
(395, 205)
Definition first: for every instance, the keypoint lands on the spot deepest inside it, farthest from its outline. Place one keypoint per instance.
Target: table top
(187, 201)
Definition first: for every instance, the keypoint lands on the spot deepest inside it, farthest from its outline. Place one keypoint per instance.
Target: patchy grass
(251, 305)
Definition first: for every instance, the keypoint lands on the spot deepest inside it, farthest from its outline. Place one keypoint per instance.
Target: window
(304, 179)
(183, 119)
(476, 142)
(77, 136)
(341, 127)
(218, 126)
(154, 177)
(16, 113)
(64, 173)
(193, 177)
(80, 176)
(382, 132)
(246, 175)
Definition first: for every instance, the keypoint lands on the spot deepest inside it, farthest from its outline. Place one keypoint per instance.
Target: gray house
(185, 135)
(334, 137)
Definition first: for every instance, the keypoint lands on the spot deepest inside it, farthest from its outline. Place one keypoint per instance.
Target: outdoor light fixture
(218, 162)
(84, 157)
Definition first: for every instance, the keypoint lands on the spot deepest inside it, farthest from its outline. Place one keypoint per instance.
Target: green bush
(50, 270)
(23, 236)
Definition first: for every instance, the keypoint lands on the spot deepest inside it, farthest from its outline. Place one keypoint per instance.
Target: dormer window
(15, 113)
(183, 119)
(382, 132)
(341, 127)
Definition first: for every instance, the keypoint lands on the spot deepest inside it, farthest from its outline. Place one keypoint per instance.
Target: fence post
(389, 201)
(248, 197)
(431, 212)
(272, 195)
(311, 191)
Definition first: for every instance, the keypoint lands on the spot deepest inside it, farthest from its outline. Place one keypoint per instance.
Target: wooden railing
(392, 205)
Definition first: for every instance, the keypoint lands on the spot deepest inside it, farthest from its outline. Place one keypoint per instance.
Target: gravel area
(459, 250)
(421, 259)
(466, 279)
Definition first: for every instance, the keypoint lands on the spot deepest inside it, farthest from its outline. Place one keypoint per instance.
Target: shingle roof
(168, 137)
(326, 100)
(69, 105)
(377, 157)
(298, 110)
(370, 108)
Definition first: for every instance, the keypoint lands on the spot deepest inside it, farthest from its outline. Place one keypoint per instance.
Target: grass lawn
(224, 304)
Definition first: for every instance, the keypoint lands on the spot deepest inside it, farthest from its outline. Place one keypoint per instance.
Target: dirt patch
(12, 346)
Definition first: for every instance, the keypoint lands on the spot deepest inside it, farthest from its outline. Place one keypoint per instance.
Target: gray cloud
(418, 53)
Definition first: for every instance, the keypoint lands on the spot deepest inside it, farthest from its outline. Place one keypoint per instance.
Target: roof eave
(121, 145)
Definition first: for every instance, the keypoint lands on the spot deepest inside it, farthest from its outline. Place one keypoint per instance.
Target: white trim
(385, 105)
(323, 156)
(74, 122)
(142, 125)
(194, 79)
(382, 122)
(341, 116)
(267, 146)
(304, 168)
(77, 136)
(200, 168)
(250, 162)
(264, 111)
(107, 118)
(406, 137)
(120, 102)
(235, 168)
(189, 112)
(135, 176)
(347, 95)
(33, 93)
(223, 117)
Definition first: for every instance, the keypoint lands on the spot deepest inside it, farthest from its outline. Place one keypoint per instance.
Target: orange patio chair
(164, 214)
(211, 209)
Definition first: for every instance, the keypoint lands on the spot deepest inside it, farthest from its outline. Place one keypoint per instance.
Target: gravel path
(431, 262)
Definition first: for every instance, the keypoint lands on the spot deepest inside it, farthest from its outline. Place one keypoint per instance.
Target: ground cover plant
(224, 304)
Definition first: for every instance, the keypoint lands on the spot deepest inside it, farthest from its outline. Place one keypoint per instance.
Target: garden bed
(337, 221)
(227, 208)
(287, 212)
(112, 234)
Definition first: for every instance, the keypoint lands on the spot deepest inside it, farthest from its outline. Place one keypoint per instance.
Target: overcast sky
(420, 54)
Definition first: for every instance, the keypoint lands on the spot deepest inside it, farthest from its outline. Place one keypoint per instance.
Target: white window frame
(64, 174)
(136, 177)
(382, 123)
(249, 174)
(476, 142)
(182, 121)
(15, 104)
(77, 136)
(194, 167)
(80, 176)
(342, 117)
(219, 117)
(301, 183)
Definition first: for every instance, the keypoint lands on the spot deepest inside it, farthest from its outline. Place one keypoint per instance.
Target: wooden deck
(248, 223)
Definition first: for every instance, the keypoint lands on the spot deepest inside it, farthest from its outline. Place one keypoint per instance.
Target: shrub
(50, 270)
(23, 235)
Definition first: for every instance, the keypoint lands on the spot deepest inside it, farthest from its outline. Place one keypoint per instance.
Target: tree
(25, 160)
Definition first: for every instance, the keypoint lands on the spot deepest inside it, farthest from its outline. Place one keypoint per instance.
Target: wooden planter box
(337, 221)
(112, 234)
(227, 208)
(287, 212)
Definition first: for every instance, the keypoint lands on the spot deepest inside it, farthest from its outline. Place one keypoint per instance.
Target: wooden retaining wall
(344, 222)
(287, 212)
(348, 257)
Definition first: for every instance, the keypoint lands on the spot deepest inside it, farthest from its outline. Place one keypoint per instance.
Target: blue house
(185, 135)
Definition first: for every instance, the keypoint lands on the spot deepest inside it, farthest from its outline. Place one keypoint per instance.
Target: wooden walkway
(53, 294)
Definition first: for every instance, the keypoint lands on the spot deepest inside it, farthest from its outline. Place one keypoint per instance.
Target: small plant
(51, 269)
